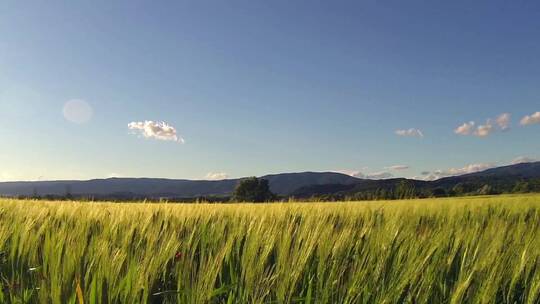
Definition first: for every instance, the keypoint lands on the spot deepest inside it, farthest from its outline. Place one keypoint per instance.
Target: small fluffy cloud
(412, 132)
(358, 174)
(398, 167)
(156, 130)
(522, 159)
(471, 168)
(379, 175)
(469, 128)
(353, 173)
(374, 175)
(531, 119)
(503, 121)
(484, 130)
(216, 176)
(465, 129)
(430, 177)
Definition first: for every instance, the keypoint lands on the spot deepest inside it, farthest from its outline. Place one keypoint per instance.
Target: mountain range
(300, 185)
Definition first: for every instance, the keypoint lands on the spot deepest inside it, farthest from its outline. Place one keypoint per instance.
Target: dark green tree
(459, 189)
(405, 189)
(521, 187)
(253, 189)
(486, 190)
(439, 192)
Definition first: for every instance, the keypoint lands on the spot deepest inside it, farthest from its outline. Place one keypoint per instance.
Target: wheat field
(459, 250)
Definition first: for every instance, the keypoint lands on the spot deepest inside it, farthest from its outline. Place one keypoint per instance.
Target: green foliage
(486, 190)
(405, 189)
(522, 187)
(459, 189)
(408, 189)
(253, 189)
(439, 192)
(467, 250)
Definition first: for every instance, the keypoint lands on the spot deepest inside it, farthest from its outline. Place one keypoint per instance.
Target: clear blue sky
(257, 87)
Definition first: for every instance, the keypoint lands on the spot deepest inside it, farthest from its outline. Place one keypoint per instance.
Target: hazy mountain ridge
(303, 184)
(281, 184)
(499, 180)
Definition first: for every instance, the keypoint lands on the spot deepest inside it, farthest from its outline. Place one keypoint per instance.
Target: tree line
(257, 190)
(407, 189)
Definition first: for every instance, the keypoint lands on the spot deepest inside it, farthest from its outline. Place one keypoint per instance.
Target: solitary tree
(253, 189)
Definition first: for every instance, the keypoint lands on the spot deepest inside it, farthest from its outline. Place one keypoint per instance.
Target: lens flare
(77, 111)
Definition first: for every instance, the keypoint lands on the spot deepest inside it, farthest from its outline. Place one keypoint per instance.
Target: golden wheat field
(464, 250)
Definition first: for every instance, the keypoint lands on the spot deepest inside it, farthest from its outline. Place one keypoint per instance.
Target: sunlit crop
(468, 250)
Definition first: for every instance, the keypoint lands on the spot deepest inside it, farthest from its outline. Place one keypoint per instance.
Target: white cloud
(427, 177)
(379, 175)
(359, 174)
(77, 111)
(471, 168)
(531, 119)
(469, 128)
(412, 132)
(465, 129)
(216, 176)
(353, 173)
(398, 167)
(156, 130)
(484, 130)
(522, 159)
(503, 121)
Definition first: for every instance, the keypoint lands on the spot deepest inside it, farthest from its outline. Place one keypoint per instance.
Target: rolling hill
(281, 184)
(300, 185)
(499, 180)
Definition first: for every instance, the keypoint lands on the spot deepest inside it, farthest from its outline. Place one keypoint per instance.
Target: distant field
(465, 250)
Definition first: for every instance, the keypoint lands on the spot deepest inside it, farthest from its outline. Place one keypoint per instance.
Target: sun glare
(78, 111)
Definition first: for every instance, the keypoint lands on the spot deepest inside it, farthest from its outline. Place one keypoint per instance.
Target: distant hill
(524, 177)
(287, 183)
(498, 180)
(281, 184)
(523, 170)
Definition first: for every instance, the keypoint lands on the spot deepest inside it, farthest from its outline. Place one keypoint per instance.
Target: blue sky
(257, 87)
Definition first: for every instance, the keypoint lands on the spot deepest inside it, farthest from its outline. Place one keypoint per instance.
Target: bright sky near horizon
(216, 89)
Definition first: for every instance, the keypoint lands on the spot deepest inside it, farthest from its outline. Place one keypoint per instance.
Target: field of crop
(468, 250)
